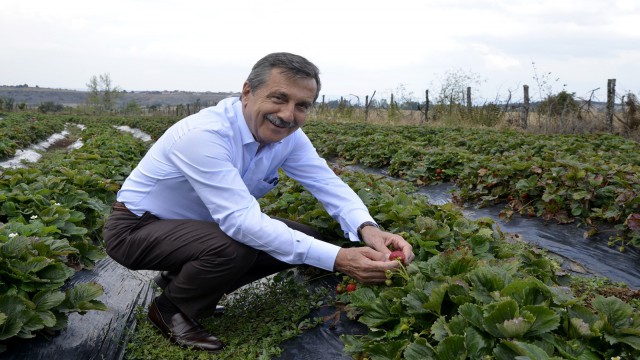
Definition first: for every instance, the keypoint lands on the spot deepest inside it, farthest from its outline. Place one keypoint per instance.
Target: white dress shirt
(206, 167)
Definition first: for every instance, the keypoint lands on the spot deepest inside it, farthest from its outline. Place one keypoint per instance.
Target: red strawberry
(351, 287)
(397, 255)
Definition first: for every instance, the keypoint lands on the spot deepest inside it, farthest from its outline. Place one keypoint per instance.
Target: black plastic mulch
(104, 334)
(96, 334)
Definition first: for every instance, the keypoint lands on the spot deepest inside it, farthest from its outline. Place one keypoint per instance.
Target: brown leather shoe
(184, 331)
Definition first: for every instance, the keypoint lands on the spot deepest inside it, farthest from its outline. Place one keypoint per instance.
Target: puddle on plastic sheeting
(323, 342)
(566, 240)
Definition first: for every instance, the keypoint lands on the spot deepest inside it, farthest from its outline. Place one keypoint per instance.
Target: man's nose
(287, 111)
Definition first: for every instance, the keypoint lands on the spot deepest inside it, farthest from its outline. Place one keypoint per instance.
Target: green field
(471, 293)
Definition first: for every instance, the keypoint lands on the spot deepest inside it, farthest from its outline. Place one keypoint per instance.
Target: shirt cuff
(322, 254)
(355, 219)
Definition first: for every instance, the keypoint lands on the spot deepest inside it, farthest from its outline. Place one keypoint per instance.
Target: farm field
(473, 291)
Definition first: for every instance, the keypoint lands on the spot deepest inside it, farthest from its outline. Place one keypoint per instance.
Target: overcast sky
(403, 46)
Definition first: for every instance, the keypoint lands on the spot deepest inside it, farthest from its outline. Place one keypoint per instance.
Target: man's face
(279, 107)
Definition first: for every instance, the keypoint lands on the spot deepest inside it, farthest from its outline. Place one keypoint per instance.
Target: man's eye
(302, 108)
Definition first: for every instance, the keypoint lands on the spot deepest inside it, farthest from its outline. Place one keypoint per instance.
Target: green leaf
(33, 323)
(452, 348)
(633, 341)
(419, 350)
(459, 293)
(352, 344)
(47, 318)
(476, 343)
(15, 247)
(579, 195)
(514, 328)
(377, 314)
(363, 297)
(615, 311)
(528, 291)
(473, 314)
(56, 273)
(498, 314)
(525, 350)
(12, 306)
(439, 329)
(485, 280)
(46, 300)
(546, 320)
(581, 328)
(414, 302)
(389, 350)
(435, 300)
(563, 296)
(82, 297)
(32, 265)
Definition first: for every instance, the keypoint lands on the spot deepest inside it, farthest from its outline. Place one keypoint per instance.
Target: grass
(257, 319)
(583, 122)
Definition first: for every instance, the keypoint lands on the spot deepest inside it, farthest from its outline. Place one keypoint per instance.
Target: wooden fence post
(366, 108)
(525, 112)
(426, 108)
(468, 98)
(611, 97)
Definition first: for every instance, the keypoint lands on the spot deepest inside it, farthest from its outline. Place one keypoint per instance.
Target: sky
(403, 47)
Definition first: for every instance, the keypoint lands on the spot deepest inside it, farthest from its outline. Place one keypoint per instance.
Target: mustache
(279, 122)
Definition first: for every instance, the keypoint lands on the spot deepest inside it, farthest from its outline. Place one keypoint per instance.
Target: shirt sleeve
(341, 202)
(209, 169)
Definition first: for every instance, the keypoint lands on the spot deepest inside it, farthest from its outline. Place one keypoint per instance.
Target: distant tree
(562, 103)
(102, 93)
(50, 106)
(132, 108)
(7, 104)
(453, 86)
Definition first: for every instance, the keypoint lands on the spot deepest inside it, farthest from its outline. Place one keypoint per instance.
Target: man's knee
(230, 254)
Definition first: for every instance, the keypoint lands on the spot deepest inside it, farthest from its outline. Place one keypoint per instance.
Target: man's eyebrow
(284, 94)
(280, 93)
(305, 103)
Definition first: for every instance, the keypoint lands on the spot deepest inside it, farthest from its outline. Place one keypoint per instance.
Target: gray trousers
(206, 261)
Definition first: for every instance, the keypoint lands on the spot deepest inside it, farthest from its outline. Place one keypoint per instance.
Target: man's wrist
(364, 225)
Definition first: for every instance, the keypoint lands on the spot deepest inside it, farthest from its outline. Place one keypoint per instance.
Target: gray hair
(294, 66)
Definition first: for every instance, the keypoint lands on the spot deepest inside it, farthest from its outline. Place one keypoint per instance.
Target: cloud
(359, 45)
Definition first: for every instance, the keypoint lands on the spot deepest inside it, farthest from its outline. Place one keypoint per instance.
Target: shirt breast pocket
(262, 187)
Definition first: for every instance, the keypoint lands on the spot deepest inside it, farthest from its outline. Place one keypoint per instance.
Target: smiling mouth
(279, 123)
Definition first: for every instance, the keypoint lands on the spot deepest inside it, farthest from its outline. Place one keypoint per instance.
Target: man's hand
(364, 264)
(382, 240)
(368, 264)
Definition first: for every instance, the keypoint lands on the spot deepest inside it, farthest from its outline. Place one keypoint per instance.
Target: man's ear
(246, 90)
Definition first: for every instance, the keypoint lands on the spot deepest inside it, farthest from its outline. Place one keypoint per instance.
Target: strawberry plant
(51, 218)
(564, 178)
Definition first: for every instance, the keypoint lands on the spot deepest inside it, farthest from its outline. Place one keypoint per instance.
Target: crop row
(470, 293)
(51, 219)
(591, 178)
